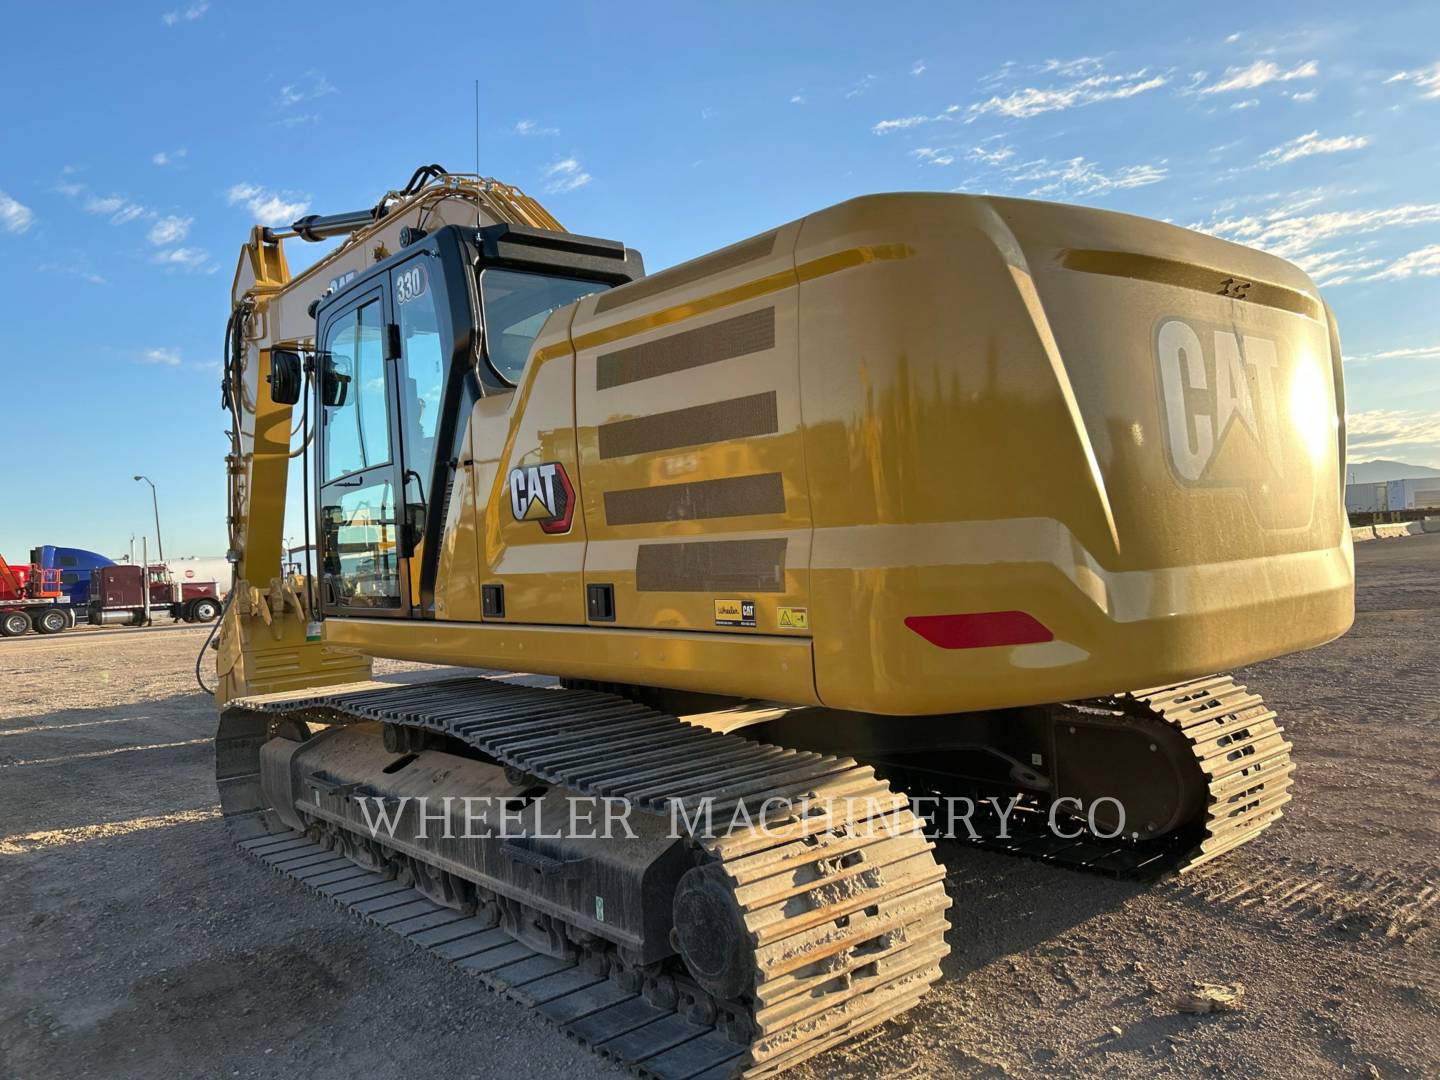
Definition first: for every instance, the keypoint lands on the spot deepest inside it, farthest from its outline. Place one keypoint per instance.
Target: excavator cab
(407, 348)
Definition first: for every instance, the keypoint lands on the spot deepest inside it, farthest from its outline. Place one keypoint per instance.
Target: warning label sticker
(794, 618)
(734, 612)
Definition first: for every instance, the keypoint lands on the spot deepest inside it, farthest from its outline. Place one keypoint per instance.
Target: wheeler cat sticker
(734, 612)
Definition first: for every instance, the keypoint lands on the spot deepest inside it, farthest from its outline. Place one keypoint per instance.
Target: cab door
(390, 445)
(430, 396)
(363, 568)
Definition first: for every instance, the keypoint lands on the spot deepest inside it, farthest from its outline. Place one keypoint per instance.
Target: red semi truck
(31, 597)
(117, 596)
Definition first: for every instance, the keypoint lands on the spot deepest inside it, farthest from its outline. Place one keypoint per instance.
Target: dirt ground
(135, 943)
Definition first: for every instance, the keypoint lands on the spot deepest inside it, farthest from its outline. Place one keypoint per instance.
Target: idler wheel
(711, 935)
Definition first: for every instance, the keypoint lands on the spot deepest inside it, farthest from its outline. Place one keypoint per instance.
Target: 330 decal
(543, 493)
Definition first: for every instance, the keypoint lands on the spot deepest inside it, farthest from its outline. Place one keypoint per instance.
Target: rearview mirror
(335, 385)
(286, 376)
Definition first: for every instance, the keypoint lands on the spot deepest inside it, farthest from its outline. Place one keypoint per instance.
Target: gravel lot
(135, 943)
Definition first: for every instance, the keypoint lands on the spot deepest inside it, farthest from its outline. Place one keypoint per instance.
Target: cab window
(357, 432)
(515, 305)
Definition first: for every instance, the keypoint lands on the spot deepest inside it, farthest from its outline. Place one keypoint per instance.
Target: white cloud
(170, 230)
(797, 99)
(188, 259)
(1413, 352)
(15, 217)
(565, 175)
(268, 207)
(1000, 74)
(1303, 96)
(1290, 234)
(1309, 144)
(986, 156)
(186, 14)
(1248, 103)
(1233, 38)
(917, 68)
(119, 209)
(931, 156)
(1423, 262)
(1393, 433)
(79, 268)
(165, 357)
(313, 84)
(862, 86)
(1077, 177)
(169, 157)
(529, 127)
(1258, 74)
(885, 127)
(1081, 65)
(1426, 78)
(1337, 267)
(1031, 101)
(71, 189)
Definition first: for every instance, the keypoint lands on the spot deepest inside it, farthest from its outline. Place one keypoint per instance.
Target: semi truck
(117, 596)
(75, 566)
(32, 598)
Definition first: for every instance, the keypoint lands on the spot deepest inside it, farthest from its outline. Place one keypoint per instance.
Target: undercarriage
(696, 903)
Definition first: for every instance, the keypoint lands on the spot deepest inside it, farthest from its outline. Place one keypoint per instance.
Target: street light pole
(155, 502)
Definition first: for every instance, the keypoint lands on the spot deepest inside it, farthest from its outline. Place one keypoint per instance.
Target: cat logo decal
(543, 493)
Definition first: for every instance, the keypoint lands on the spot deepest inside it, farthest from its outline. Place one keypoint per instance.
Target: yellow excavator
(958, 496)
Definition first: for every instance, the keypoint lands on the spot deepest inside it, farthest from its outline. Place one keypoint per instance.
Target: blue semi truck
(75, 565)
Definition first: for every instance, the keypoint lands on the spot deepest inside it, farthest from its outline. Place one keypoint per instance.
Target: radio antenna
(477, 127)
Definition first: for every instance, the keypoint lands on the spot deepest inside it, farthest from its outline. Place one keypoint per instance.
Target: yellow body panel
(657, 461)
(536, 424)
(899, 407)
(913, 405)
(459, 566)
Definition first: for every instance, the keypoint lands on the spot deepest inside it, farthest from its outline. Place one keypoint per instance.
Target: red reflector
(980, 630)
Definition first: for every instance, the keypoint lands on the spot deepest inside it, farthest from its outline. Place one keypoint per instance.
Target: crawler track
(1239, 749)
(844, 912)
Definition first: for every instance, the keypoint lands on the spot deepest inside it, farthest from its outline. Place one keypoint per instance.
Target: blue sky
(142, 141)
